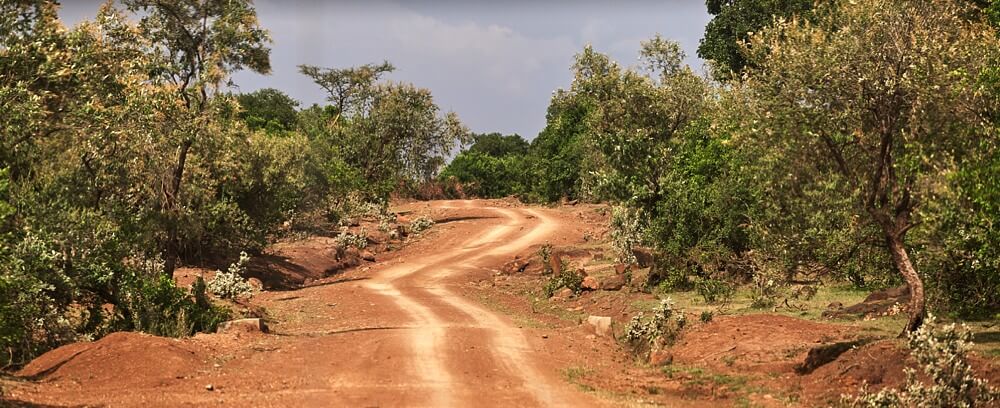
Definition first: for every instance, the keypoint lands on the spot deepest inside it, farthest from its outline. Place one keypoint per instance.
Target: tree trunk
(905, 268)
(172, 250)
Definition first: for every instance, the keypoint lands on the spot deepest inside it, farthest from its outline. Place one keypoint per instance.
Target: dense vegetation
(123, 156)
(853, 141)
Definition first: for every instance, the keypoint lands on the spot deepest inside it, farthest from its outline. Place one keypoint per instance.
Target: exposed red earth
(439, 323)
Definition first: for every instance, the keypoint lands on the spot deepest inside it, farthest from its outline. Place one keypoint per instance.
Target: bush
(151, 302)
(715, 291)
(661, 328)
(941, 350)
(231, 284)
(421, 224)
(565, 279)
(347, 239)
(626, 233)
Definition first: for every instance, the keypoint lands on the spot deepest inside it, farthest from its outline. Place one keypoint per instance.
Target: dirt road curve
(401, 334)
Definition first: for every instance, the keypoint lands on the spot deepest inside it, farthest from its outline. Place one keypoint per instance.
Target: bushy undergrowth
(231, 284)
(421, 224)
(348, 240)
(661, 328)
(564, 279)
(941, 351)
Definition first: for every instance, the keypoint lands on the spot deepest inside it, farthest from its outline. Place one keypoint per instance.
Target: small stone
(368, 256)
(545, 336)
(590, 283)
(562, 294)
(210, 387)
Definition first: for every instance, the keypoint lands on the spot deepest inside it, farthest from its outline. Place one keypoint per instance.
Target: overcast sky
(495, 63)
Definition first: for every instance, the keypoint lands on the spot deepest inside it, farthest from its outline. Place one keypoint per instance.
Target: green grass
(575, 375)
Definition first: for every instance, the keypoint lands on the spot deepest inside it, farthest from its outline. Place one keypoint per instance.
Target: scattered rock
(562, 294)
(660, 358)
(210, 387)
(368, 256)
(590, 283)
(613, 283)
(601, 325)
(517, 265)
(254, 325)
(620, 269)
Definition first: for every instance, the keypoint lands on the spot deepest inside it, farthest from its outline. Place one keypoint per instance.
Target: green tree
(881, 92)
(199, 44)
(497, 145)
(390, 132)
(733, 21)
(268, 109)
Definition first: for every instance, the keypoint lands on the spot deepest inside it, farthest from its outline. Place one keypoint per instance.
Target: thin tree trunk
(172, 250)
(905, 268)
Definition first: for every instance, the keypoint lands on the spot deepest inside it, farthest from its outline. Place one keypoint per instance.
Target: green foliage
(848, 91)
(152, 303)
(566, 278)
(268, 109)
(497, 145)
(733, 21)
(714, 291)
(941, 350)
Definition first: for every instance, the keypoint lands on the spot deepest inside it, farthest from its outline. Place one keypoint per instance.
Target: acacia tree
(388, 131)
(199, 44)
(884, 92)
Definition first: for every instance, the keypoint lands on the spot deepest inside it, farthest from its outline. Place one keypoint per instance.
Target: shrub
(565, 279)
(661, 328)
(626, 233)
(706, 316)
(231, 284)
(421, 224)
(347, 239)
(152, 303)
(715, 291)
(941, 350)
(545, 253)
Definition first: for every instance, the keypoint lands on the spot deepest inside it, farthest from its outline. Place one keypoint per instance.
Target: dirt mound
(878, 303)
(878, 364)
(770, 343)
(118, 359)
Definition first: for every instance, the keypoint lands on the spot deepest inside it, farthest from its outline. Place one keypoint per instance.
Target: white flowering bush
(941, 350)
(347, 239)
(626, 233)
(662, 327)
(421, 224)
(231, 284)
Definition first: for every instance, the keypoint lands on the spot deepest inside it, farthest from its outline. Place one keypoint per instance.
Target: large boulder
(601, 325)
(615, 282)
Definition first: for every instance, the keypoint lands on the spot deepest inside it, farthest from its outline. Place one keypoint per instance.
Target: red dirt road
(397, 334)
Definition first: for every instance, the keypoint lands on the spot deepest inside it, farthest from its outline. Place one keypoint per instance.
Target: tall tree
(884, 93)
(200, 43)
(733, 21)
(390, 132)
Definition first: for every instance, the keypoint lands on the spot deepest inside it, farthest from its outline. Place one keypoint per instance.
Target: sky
(494, 63)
